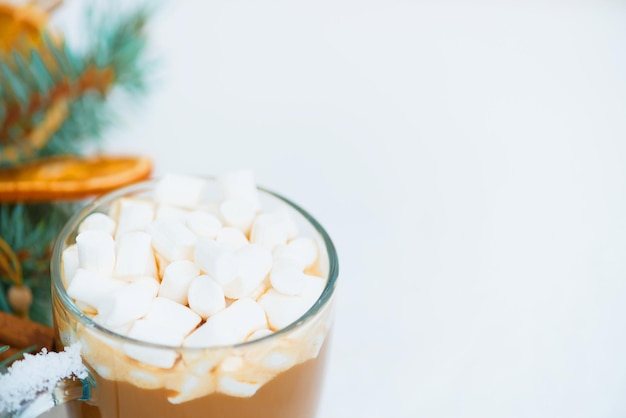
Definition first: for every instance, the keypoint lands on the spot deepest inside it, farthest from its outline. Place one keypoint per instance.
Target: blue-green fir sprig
(54, 100)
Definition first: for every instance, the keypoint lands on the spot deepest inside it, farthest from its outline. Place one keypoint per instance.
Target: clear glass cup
(276, 376)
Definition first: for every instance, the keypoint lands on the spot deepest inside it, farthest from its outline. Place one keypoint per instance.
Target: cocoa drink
(195, 297)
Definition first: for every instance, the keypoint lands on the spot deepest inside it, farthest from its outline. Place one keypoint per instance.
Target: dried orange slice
(21, 20)
(70, 177)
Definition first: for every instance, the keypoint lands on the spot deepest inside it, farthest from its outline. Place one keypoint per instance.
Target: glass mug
(282, 373)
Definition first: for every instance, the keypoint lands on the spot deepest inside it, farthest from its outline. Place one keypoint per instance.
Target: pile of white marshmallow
(176, 270)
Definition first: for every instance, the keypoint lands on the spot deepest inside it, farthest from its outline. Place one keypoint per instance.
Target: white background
(468, 159)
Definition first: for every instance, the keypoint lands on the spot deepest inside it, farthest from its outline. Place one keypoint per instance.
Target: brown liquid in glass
(292, 394)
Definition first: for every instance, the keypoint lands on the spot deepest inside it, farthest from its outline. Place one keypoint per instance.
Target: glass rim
(72, 225)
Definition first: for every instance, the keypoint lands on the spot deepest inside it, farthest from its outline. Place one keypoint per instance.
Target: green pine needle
(17, 356)
(58, 56)
(15, 84)
(22, 69)
(40, 73)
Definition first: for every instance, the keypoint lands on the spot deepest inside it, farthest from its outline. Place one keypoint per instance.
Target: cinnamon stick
(21, 333)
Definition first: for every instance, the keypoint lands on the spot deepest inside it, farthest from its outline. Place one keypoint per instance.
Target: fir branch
(52, 101)
(34, 82)
(30, 230)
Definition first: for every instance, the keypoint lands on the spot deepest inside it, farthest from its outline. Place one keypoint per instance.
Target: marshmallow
(205, 296)
(269, 229)
(176, 279)
(179, 190)
(69, 259)
(86, 308)
(168, 211)
(122, 329)
(96, 252)
(233, 387)
(313, 288)
(279, 361)
(203, 224)
(260, 333)
(203, 362)
(172, 239)
(90, 288)
(257, 292)
(215, 260)
(279, 250)
(171, 315)
(101, 370)
(287, 276)
(133, 215)
(134, 256)
(238, 213)
(127, 303)
(254, 262)
(230, 326)
(211, 207)
(304, 249)
(240, 185)
(153, 332)
(95, 349)
(290, 224)
(98, 221)
(282, 310)
(189, 387)
(232, 238)
(232, 364)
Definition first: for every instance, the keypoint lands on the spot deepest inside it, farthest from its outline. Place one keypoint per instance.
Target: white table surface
(467, 157)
